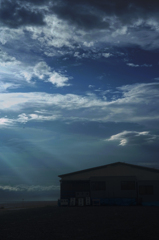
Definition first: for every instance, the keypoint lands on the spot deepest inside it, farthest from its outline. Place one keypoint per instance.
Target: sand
(53, 222)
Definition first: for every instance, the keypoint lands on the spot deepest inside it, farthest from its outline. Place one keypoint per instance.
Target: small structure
(113, 184)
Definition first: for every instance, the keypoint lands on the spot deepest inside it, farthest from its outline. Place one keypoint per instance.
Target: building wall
(113, 188)
(148, 191)
(72, 189)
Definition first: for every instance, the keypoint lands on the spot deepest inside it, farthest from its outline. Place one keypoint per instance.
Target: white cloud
(6, 86)
(87, 54)
(88, 44)
(146, 65)
(8, 35)
(24, 118)
(133, 65)
(5, 121)
(137, 65)
(138, 103)
(134, 138)
(41, 69)
(7, 60)
(23, 71)
(122, 30)
(32, 188)
(91, 86)
(14, 72)
(27, 75)
(44, 72)
(107, 55)
(59, 38)
(58, 79)
(58, 33)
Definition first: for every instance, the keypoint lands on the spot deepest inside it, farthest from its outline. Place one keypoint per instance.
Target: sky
(79, 88)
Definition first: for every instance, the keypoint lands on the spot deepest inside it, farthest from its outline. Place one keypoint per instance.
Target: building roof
(111, 164)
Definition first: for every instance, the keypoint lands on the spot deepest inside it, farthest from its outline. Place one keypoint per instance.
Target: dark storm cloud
(36, 2)
(13, 15)
(86, 14)
(81, 18)
(106, 5)
(89, 14)
(115, 6)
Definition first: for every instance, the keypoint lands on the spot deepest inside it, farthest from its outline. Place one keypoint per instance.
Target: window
(146, 190)
(81, 186)
(98, 186)
(66, 185)
(128, 185)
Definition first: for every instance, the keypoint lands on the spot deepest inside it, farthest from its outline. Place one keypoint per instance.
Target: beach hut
(112, 184)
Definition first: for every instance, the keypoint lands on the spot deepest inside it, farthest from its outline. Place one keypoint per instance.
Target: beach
(17, 205)
(48, 221)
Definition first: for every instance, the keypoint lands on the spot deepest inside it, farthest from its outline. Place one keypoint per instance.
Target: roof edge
(116, 163)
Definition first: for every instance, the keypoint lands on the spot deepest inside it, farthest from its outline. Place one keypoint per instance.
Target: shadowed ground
(52, 222)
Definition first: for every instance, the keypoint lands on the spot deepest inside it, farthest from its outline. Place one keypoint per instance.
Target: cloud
(4, 87)
(58, 79)
(110, 21)
(137, 65)
(89, 54)
(14, 73)
(43, 72)
(32, 188)
(41, 69)
(88, 44)
(138, 103)
(94, 13)
(82, 17)
(18, 74)
(85, 24)
(132, 65)
(24, 118)
(6, 59)
(107, 55)
(36, 2)
(61, 30)
(134, 138)
(146, 65)
(117, 34)
(5, 121)
(15, 14)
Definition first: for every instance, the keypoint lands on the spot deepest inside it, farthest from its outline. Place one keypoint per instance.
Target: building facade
(113, 184)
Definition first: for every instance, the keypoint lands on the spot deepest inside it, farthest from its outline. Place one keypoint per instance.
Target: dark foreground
(54, 222)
